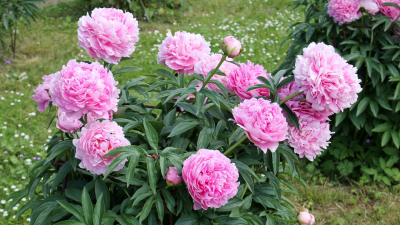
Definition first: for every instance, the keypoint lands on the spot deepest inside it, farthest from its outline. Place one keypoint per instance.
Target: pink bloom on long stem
(172, 176)
(66, 124)
(344, 11)
(41, 95)
(389, 11)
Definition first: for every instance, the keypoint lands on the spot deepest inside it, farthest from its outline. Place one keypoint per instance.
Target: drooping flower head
(211, 178)
(245, 76)
(183, 51)
(231, 46)
(327, 80)
(389, 11)
(370, 6)
(81, 88)
(305, 218)
(263, 122)
(344, 11)
(66, 124)
(172, 176)
(310, 139)
(108, 34)
(95, 140)
(41, 95)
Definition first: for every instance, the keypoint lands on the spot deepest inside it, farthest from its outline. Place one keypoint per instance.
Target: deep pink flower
(95, 140)
(81, 88)
(305, 218)
(302, 109)
(106, 115)
(211, 178)
(310, 139)
(389, 11)
(327, 80)
(263, 122)
(231, 46)
(172, 176)
(66, 124)
(183, 51)
(241, 78)
(344, 11)
(108, 34)
(41, 95)
(370, 6)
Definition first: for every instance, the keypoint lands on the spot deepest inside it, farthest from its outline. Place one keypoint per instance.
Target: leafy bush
(367, 138)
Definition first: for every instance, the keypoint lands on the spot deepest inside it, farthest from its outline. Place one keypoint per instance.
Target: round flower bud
(173, 177)
(231, 47)
(66, 124)
(305, 218)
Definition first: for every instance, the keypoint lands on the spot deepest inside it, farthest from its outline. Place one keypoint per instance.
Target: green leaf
(391, 4)
(126, 70)
(373, 105)
(236, 136)
(291, 116)
(169, 200)
(285, 82)
(386, 181)
(131, 167)
(362, 105)
(182, 127)
(70, 208)
(391, 151)
(99, 210)
(160, 206)
(101, 188)
(151, 134)
(382, 102)
(386, 138)
(211, 95)
(382, 127)
(395, 137)
(309, 33)
(146, 208)
(59, 149)
(393, 70)
(115, 162)
(152, 173)
(69, 222)
(166, 74)
(187, 219)
(62, 172)
(235, 212)
(204, 137)
(199, 102)
(87, 206)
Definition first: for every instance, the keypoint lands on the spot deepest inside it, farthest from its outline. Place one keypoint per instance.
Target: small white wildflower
(3, 202)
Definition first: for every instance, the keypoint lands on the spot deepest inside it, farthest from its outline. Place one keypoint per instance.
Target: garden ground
(51, 41)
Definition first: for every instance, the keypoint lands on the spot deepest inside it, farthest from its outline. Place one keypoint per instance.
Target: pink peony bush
(172, 176)
(263, 122)
(41, 95)
(344, 11)
(108, 34)
(211, 178)
(66, 124)
(95, 140)
(183, 51)
(389, 11)
(81, 88)
(328, 81)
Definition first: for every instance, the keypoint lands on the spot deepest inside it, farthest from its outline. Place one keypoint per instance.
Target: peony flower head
(344, 11)
(81, 88)
(263, 122)
(327, 80)
(310, 139)
(183, 51)
(108, 115)
(173, 177)
(108, 34)
(231, 47)
(389, 11)
(370, 6)
(305, 218)
(302, 109)
(41, 95)
(211, 178)
(241, 78)
(95, 140)
(66, 124)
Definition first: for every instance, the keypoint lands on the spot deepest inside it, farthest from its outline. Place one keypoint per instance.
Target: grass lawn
(49, 43)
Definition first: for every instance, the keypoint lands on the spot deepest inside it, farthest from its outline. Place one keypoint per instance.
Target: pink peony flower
(310, 139)
(263, 122)
(344, 11)
(327, 80)
(241, 78)
(95, 140)
(302, 109)
(81, 88)
(389, 11)
(41, 95)
(109, 34)
(173, 177)
(370, 6)
(106, 115)
(211, 62)
(305, 218)
(183, 51)
(211, 178)
(66, 124)
(231, 47)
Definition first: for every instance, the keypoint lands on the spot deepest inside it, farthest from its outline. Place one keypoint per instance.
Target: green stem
(290, 97)
(245, 189)
(214, 71)
(235, 145)
(372, 39)
(62, 135)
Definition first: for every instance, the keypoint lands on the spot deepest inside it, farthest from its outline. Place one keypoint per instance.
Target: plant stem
(214, 71)
(244, 192)
(235, 145)
(372, 39)
(290, 97)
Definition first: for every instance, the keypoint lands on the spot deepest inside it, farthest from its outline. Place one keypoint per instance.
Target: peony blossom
(389, 11)
(327, 80)
(41, 95)
(108, 34)
(263, 122)
(310, 139)
(344, 11)
(211, 178)
(305, 218)
(66, 124)
(245, 76)
(231, 47)
(106, 116)
(370, 6)
(172, 176)
(81, 88)
(302, 109)
(183, 51)
(95, 140)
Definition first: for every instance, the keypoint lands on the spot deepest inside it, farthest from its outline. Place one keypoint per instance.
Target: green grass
(51, 42)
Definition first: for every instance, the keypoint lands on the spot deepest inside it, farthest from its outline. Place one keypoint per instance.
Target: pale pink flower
(108, 34)
(305, 218)
(211, 178)
(172, 176)
(263, 122)
(370, 6)
(302, 109)
(344, 11)
(327, 80)
(66, 124)
(389, 11)
(108, 115)
(245, 76)
(41, 95)
(81, 88)
(95, 140)
(231, 46)
(183, 51)
(310, 139)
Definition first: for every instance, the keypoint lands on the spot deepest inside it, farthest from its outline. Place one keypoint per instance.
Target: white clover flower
(16, 135)
(5, 160)
(3, 202)
(2, 98)
(29, 219)
(23, 178)
(16, 189)
(13, 187)
(23, 199)
(5, 189)
(15, 208)
(22, 134)
(1, 210)
(12, 103)
(5, 123)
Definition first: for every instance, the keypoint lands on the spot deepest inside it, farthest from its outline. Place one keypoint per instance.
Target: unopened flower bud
(173, 177)
(304, 218)
(231, 47)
